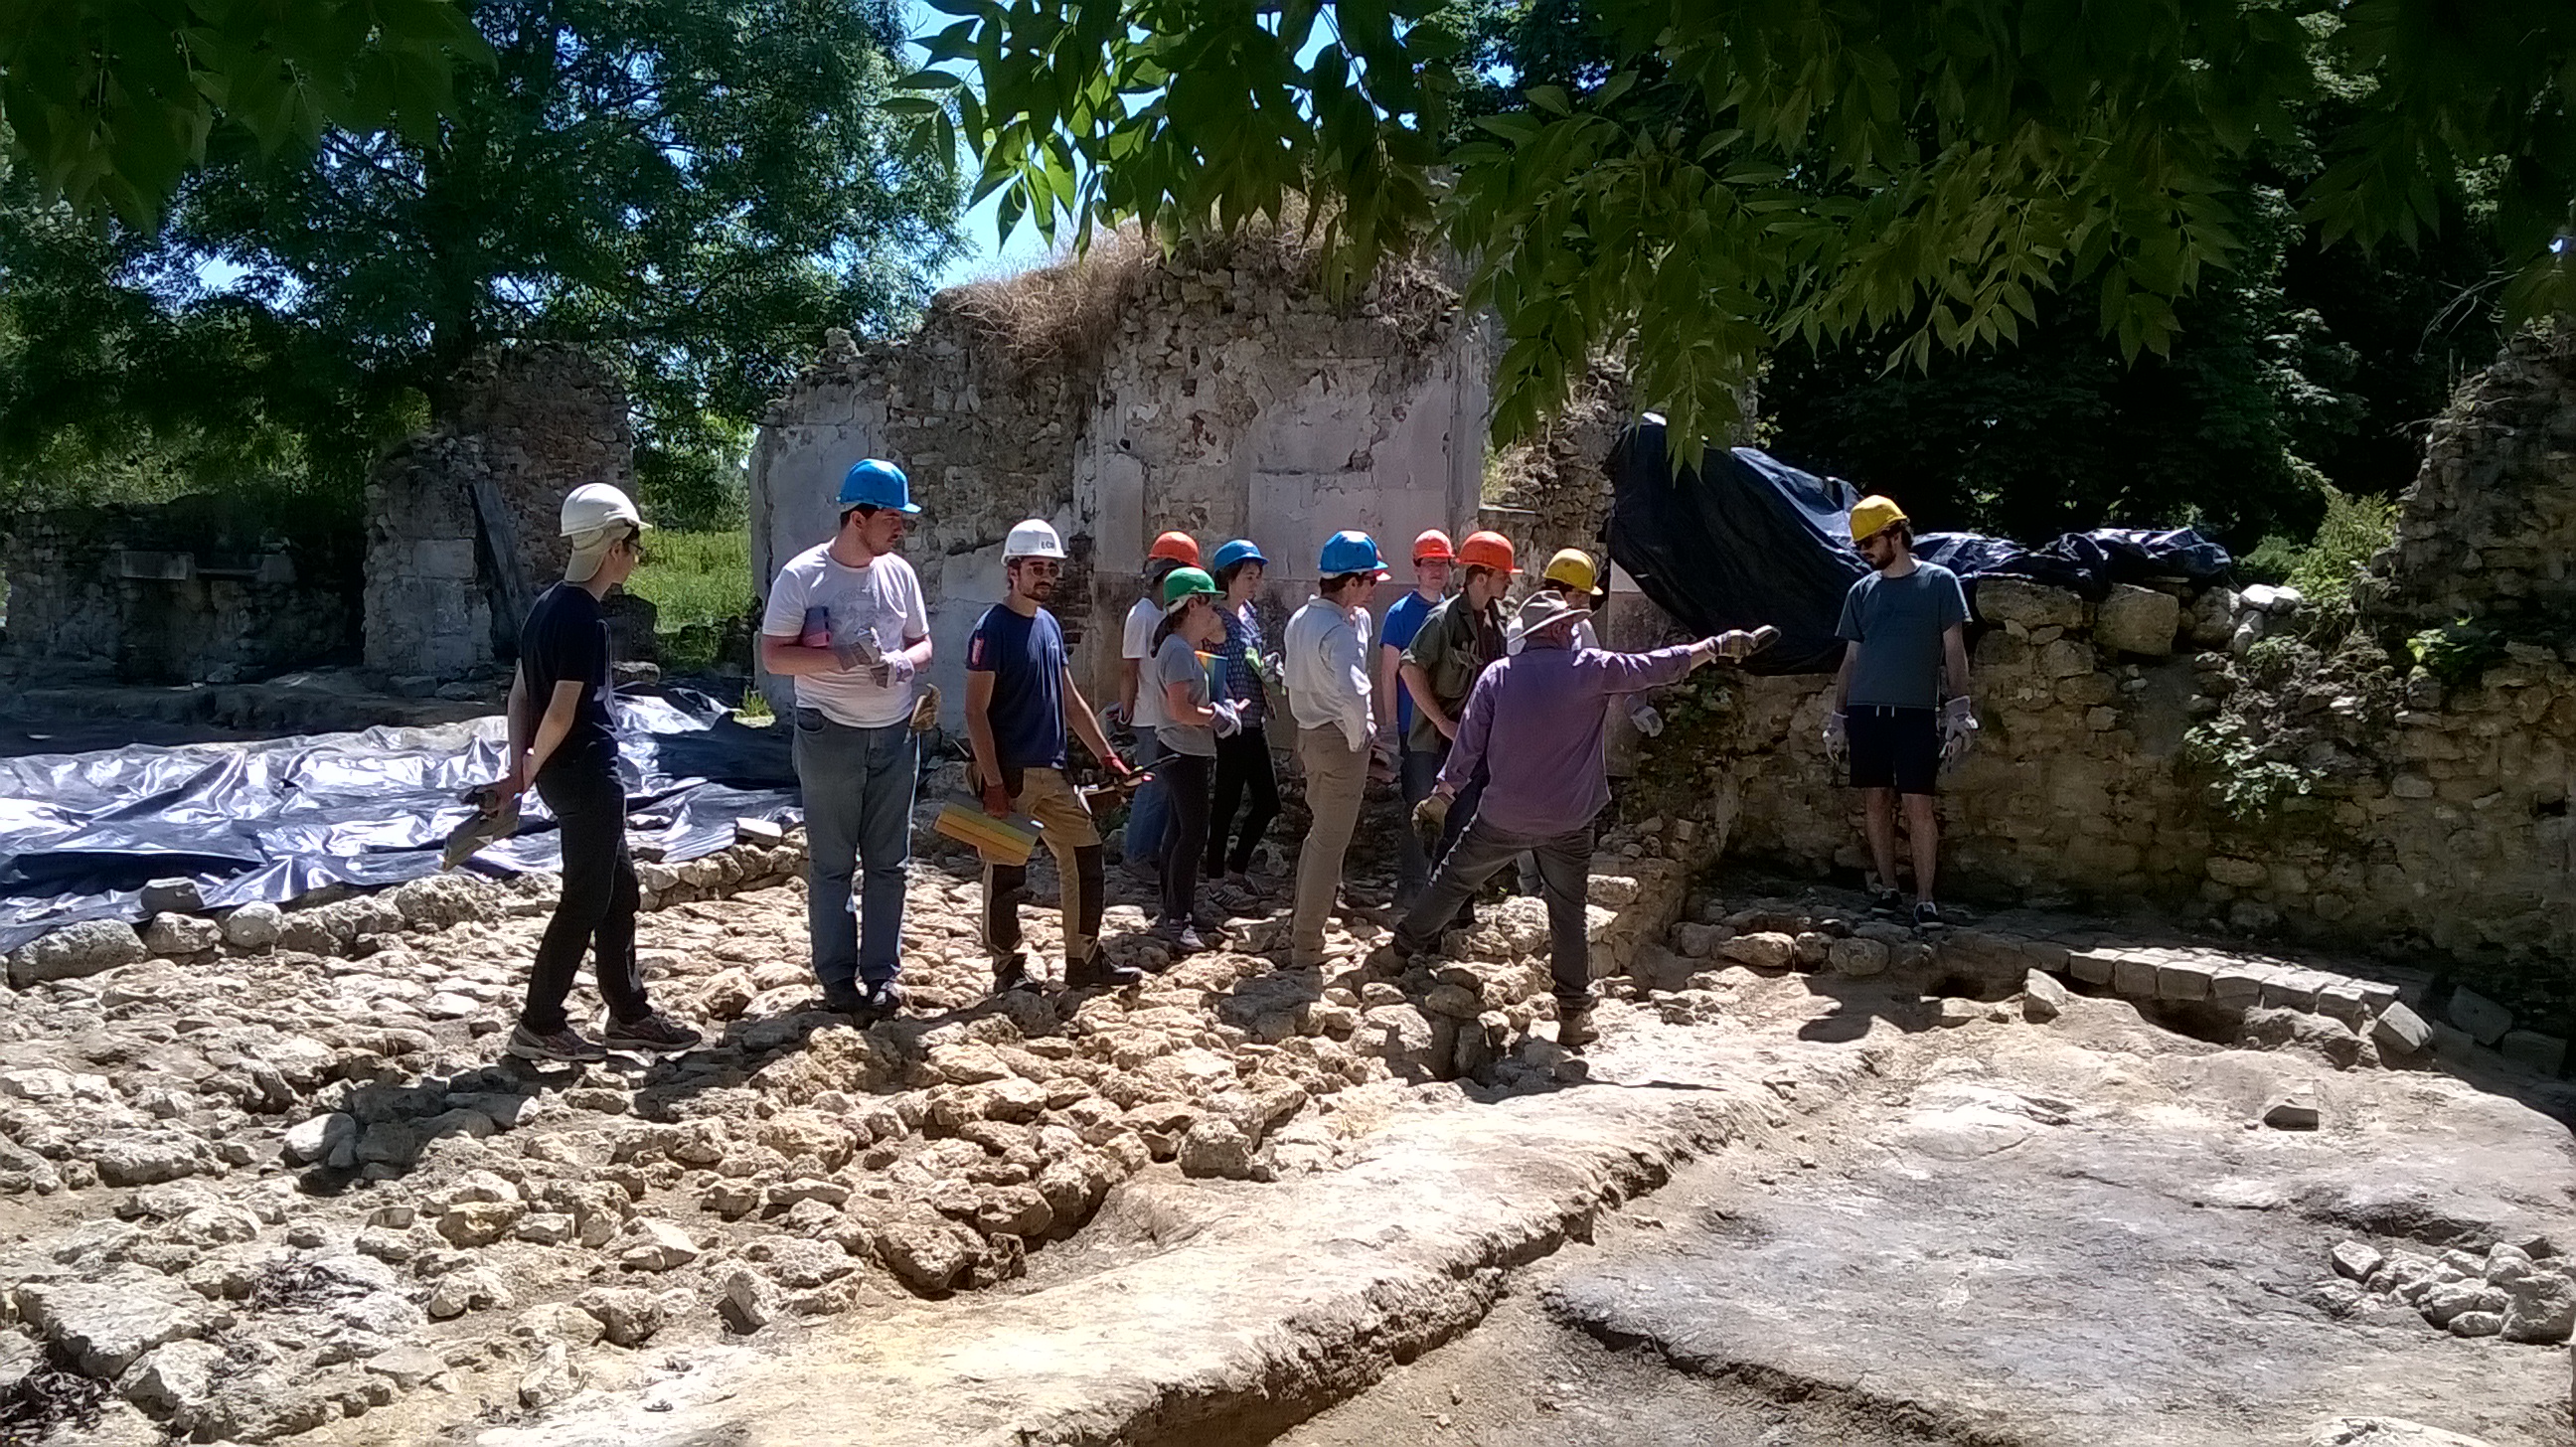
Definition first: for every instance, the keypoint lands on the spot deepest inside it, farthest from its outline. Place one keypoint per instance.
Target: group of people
(1491, 716)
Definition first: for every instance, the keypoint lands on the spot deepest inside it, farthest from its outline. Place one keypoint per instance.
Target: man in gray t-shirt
(1903, 627)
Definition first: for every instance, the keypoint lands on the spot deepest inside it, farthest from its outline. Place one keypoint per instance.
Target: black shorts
(1894, 748)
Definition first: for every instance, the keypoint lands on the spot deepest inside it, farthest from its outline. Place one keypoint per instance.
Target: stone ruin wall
(1217, 393)
(534, 421)
(2420, 821)
(201, 589)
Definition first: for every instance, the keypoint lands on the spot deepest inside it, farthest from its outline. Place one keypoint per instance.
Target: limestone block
(2001, 600)
(2092, 967)
(2236, 873)
(2137, 620)
(2543, 1053)
(2043, 998)
(2133, 976)
(2484, 1019)
(2182, 980)
(76, 952)
(2400, 1031)
(447, 558)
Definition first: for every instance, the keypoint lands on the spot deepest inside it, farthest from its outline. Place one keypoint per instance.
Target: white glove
(1229, 720)
(1958, 730)
(1837, 739)
(860, 652)
(894, 672)
(1648, 722)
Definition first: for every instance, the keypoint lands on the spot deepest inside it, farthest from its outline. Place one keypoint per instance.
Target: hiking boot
(1927, 915)
(882, 1000)
(565, 1045)
(654, 1034)
(1574, 1027)
(1098, 973)
(1011, 972)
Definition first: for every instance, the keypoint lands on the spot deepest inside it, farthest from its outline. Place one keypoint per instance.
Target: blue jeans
(1417, 771)
(858, 813)
(1564, 869)
(1149, 812)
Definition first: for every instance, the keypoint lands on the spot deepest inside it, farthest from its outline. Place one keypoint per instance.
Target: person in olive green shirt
(1462, 635)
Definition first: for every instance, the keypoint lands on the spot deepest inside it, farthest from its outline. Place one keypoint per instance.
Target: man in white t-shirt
(846, 621)
(1142, 708)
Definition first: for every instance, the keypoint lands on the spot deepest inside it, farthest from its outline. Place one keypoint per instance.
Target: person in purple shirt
(1535, 722)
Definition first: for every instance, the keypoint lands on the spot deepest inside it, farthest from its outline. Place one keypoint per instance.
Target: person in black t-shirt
(562, 740)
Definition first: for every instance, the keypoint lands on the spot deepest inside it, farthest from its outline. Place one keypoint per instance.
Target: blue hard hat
(1240, 550)
(875, 482)
(1351, 551)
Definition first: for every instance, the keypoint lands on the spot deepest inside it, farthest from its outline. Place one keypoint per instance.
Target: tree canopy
(690, 189)
(1708, 183)
(112, 101)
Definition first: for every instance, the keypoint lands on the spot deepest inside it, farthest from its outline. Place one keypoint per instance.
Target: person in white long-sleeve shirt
(1326, 659)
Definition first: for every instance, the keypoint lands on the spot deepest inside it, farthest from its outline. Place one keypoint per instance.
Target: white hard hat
(1034, 538)
(595, 505)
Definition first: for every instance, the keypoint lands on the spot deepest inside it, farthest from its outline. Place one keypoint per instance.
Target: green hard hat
(1181, 583)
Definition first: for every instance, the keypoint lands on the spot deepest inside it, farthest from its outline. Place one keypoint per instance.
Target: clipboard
(1008, 840)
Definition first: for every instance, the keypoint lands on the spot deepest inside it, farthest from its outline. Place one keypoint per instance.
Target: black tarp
(1745, 539)
(80, 834)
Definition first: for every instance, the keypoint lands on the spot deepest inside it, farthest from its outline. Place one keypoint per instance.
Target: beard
(1038, 590)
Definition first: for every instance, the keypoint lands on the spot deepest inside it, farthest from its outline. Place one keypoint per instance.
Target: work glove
(1429, 818)
(1958, 730)
(1837, 739)
(1113, 717)
(1271, 667)
(859, 652)
(1229, 718)
(894, 672)
(1648, 722)
(1736, 644)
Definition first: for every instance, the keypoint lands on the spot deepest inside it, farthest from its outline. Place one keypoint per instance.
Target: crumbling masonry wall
(534, 423)
(1216, 392)
(2222, 756)
(202, 589)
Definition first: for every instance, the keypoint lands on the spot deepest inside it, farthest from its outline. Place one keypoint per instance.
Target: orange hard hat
(1433, 547)
(1180, 547)
(1487, 550)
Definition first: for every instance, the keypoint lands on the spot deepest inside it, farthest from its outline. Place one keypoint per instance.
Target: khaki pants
(1046, 796)
(1336, 779)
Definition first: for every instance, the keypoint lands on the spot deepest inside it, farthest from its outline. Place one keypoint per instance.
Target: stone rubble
(2523, 1292)
(287, 1182)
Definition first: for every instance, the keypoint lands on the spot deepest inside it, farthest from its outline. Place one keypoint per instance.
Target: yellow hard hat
(1875, 514)
(1572, 567)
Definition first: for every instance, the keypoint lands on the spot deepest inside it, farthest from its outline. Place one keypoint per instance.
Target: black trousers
(596, 910)
(1185, 832)
(1243, 768)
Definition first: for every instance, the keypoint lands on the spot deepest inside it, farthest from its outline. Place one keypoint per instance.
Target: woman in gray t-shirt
(1188, 735)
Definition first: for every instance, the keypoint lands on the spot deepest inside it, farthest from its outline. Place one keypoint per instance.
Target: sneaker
(1209, 924)
(566, 1045)
(1574, 1027)
(1927, 915)
(1889, 903)
(654, 1034)
(882, 999)
(1011, 972)
(1183, 939)
(1099, 973)
(845, 1001)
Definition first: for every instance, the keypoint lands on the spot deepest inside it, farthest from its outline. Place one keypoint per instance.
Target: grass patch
(697, 582)
(2322, 570)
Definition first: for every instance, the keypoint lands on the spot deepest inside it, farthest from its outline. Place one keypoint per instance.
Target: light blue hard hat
(1241, 550)
(1350, 551)
(875, 482)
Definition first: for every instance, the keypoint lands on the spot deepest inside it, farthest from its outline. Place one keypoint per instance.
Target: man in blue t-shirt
(1416, 770)
(1020, 698)
(1904, 626)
